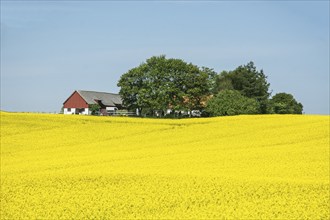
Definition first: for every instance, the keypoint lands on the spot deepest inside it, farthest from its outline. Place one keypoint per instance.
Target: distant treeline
(160, 84)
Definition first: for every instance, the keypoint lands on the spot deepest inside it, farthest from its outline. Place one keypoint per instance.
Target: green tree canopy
(160, 83)
(231, 102)
(284, 103)
(223, 82)
(248, 81)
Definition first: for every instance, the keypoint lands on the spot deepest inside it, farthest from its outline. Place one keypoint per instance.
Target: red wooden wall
(75, 101)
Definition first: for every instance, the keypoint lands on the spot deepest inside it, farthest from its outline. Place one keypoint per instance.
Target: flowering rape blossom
(239, 167)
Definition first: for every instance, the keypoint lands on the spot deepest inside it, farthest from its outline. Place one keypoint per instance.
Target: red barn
(80, 102)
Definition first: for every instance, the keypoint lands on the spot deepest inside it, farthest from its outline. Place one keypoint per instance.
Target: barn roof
(108, 99)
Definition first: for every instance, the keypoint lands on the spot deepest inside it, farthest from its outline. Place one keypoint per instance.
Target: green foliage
(212, 77)
(231, 102)
(94, 108)
(223, 82)
(284, 103)
(160, 83)
(248, 81)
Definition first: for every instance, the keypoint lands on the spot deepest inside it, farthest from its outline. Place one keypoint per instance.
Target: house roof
(108, 99)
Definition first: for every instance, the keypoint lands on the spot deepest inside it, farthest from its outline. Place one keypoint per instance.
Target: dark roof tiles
(108, 99)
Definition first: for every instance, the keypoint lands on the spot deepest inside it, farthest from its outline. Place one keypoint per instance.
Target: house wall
(75, 101)
(87, 112)
(66, 112)
(111, 108)
(74, 111)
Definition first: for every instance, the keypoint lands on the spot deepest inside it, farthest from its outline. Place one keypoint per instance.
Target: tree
(94, 108)
(284, 103)
(131, 91)
(212, 78)
(231, 102)
(160, 83)
(248, 81)
(223, 82)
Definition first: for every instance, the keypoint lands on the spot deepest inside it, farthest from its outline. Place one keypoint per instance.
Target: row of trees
(160, 84)
(245, 90)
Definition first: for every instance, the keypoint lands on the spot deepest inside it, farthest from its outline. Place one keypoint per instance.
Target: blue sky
(51, 48)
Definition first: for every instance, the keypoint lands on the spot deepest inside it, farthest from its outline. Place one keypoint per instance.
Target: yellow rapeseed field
(241, 167)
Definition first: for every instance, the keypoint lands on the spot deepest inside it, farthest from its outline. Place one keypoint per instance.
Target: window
(69, 109)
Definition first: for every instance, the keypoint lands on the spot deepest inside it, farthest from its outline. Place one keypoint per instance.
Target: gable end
(75, 101)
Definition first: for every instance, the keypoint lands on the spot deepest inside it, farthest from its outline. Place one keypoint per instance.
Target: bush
(94, 108)
(284, 103)
(231, 102)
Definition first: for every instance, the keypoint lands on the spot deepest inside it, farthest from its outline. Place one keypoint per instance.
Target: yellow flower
(242, 167)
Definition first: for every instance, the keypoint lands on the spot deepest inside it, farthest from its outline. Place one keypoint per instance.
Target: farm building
(80, 102)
